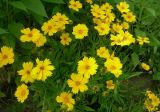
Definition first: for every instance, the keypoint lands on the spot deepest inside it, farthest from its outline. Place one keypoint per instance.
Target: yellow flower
(143, 40)
(103, 52)
(42, 70)
(109, 17)
(129, 17)
(89, 1)
(103, 29)
(114, 66)
(60, 19)
(75, 5)
(29, 35)
(80, 31)
(40, 41)
(122, 39)
(110, 84)
(97, 11)
(125, 25)
(6, 56)
(145, 66)
(22, 93)
(87, 66)
(77, 83)
(49, 28)
(107, 7)
(65, 39)
(26, 72)
(123, 7)
(66, 100)
(116, 27)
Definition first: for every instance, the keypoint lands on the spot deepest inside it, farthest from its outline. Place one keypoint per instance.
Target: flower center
(87, 67)
(28, 72)
(74, 5)
(113, 67)
(42, 68)
(5, 57)
(49, 27)
(78, 83)
(30, 35)
(23, 93)
(66, 99)
(80, 31)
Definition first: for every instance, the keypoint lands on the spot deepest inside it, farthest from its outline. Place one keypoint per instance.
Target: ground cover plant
(79, 56)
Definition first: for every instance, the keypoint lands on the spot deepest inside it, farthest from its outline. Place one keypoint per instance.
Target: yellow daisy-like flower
(114, 66)
(66, 100)
(6, 56)
(40, 41)
(125, 25)
(65, 39)
(107, 7)
(129, 17)
(97, 11)
(103, 52)
(123, 7)
(89, 1)
(80, 31)
(145, 66)
(75, 5)
(22, 93)
(77, 83)
(29, 35)
(26, 72)
(87, 66)
(49, 28)
(143, 40)
(60, 18)
(103, 29)
(116, 27)
(42, 70)
(110, 84)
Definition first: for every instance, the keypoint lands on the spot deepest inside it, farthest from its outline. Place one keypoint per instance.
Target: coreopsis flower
(49, 27)
(6, 56)
(114, 66)
(152, 102)
(29, 34)
(60, 19)
(125, 26)
(107, 7)
(145, 66)
(78, 83)
(143, 40)
(65, 39)
(80, 31)
(43, 69)
(66, 100)
(109, 17)
(103, 52)
(129, 17)
(22, 93)
(110, 84)
(87, 66)
(116, 27)
(75, 5)
(103, 29)
(123, 38)
(40, 41)
(123, 7)
(89, 1)
(97, 11)
(26, 72)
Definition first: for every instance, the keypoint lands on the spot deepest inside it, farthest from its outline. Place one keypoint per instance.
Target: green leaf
(2, 31)
(55, 1)
(15, 28)
(156, 76)
(18, 5)
(2, 94)
(151, 11)
(135, 59)
(36, 6)
(88, 109)
(140, 32)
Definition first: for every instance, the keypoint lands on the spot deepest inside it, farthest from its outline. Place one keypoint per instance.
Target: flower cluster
(41, 71)
(152, 102)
